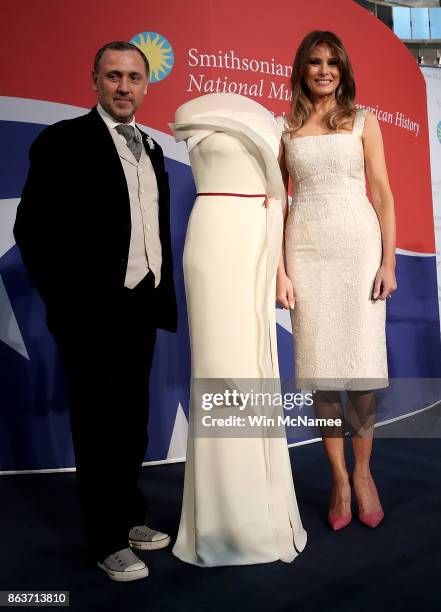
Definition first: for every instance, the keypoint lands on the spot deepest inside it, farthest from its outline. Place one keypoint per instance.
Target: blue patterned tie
(128, 131)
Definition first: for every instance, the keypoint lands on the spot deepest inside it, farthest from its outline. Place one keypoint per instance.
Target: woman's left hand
(385, 283)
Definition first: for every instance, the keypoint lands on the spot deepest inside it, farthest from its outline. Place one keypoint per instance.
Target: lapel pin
(150, 142)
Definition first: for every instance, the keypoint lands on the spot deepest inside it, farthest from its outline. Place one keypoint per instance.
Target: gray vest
(145, 246)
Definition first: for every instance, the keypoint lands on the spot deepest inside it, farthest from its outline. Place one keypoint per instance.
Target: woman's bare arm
(383, 203)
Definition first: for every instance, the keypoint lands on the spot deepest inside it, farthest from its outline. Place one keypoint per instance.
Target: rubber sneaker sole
(125, 576)
(155, 545)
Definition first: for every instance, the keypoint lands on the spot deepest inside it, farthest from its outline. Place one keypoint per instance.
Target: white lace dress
(333, 251)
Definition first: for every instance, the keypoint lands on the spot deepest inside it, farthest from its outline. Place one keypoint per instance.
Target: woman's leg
(361, 419)
(328, 406)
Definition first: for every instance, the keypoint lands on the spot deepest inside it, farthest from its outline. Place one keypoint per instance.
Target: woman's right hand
(284, 291)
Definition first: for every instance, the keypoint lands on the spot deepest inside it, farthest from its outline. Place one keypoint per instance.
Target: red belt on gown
(236, 195)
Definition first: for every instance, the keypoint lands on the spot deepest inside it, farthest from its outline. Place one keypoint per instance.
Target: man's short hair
(120, 45)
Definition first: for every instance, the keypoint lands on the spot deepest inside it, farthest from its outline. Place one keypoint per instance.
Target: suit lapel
(106, 143)
(100, 136)
(106, 158)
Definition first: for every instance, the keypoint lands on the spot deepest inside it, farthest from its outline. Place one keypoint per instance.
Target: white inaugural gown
(239, 504)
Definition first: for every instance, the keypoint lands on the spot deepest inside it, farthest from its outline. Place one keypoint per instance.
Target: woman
(340, 259)
(239, 504)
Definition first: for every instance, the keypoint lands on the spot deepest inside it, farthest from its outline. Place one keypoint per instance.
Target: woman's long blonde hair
(343, 112)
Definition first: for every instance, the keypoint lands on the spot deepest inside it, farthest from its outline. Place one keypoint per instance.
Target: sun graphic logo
(158, 51)
(438, 130)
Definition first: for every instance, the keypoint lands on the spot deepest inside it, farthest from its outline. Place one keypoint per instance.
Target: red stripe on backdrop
(49, 46)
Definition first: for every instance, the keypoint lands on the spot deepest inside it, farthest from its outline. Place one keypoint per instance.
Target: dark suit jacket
(73, 223)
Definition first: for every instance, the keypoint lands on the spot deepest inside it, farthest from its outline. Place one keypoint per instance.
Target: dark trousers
(107, 360)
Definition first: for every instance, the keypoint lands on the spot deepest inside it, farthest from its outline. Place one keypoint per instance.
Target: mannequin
(239, 502)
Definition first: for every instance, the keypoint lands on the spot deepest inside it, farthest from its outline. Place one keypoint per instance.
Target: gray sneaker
(124, 566)
(144, 538)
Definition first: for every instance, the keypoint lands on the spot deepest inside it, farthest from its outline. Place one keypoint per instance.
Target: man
(94, 232)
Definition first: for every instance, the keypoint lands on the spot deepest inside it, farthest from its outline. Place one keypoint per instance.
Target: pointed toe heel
(338, 521)
(371, 519)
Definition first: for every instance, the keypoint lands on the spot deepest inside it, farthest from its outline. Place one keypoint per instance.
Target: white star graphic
(9, 330)
(283, 318)
(178, 444)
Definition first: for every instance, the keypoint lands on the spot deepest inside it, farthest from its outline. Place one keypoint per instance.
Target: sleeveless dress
(333, 251)
(239, 504)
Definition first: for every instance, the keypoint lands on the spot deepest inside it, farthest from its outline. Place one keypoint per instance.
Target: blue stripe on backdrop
(16, 138)
(34, 415)
(413, 320)
(413, 338)
(34, 431)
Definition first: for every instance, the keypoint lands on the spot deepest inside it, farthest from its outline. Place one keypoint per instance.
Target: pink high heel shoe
(371, 519)
(338, 521)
